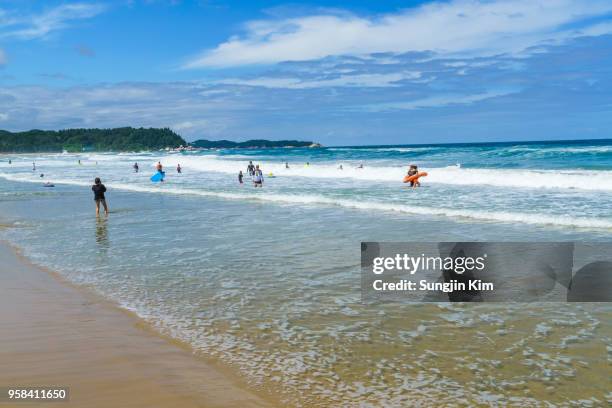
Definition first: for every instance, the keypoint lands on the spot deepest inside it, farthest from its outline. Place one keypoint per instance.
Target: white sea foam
(557, 150)
(591, 180)
(387, 149)
(587, 180)
(316, 199)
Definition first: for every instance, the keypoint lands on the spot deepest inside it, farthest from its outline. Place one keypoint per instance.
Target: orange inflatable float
(414, 177)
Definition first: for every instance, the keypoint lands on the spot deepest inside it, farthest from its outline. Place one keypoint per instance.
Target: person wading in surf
(413, 170)
(99, 189)
(258, 177)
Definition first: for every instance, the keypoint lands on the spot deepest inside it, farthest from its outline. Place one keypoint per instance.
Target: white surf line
(496, 216)
(527, 179)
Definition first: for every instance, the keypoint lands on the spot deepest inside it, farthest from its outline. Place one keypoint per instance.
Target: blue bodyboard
(159, 176)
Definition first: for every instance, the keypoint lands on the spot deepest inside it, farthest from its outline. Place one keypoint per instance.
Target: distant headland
(124, 139)
(79, 140)
(250, 144)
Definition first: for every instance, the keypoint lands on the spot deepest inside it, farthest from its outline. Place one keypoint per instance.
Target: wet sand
(54, 334)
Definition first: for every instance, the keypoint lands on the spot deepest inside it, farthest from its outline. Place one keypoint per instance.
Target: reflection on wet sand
(102, 232)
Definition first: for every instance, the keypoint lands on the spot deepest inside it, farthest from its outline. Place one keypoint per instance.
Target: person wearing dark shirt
(240, 177)
(99, 189)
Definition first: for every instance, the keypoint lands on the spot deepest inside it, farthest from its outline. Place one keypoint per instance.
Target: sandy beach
(53, 333)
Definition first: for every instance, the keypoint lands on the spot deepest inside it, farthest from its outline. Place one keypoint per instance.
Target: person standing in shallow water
(99, 189)
(250, 168)
(258, 177)
(240, 177)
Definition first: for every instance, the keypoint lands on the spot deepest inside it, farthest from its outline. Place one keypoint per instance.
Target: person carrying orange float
(413, 176)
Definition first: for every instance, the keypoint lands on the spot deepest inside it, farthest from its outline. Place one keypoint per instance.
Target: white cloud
(40, 25)
(198, 126)
(184, 125)
(358, 80)
(439, 101)
(465, 27)
(122, 93)
(123, 104)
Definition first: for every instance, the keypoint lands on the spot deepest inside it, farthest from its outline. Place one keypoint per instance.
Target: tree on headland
(77, 140)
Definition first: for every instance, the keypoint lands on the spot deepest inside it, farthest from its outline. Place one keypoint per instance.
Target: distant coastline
(86, 140)
(125, 139)
(250, 144)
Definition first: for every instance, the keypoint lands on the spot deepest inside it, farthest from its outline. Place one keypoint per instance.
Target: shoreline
(58, 333)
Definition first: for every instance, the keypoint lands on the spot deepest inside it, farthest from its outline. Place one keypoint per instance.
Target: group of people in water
(256, 174)
(253, 170)
(159, 167)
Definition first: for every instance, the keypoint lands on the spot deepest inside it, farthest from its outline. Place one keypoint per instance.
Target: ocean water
(267, 280)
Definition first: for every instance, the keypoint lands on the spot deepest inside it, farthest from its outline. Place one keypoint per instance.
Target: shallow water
(268, 280)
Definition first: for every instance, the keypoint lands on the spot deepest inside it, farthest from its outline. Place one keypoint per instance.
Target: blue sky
(350, 72)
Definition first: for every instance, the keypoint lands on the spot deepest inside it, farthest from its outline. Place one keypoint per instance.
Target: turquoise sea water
(267, 280)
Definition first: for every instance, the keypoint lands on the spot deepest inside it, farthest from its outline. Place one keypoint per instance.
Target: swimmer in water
(286, 165)
(135, 166)
(340, 167)
(33, 166)
(159, 167)
(360, 166)
(178, 168)
(99, 189)
(250, 168)
(258, 177)
(240, 176)
(412, 171)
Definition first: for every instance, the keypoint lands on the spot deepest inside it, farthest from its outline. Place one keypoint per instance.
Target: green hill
(76, 140)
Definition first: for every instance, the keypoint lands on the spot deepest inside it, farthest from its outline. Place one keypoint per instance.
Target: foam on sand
(58, 335)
